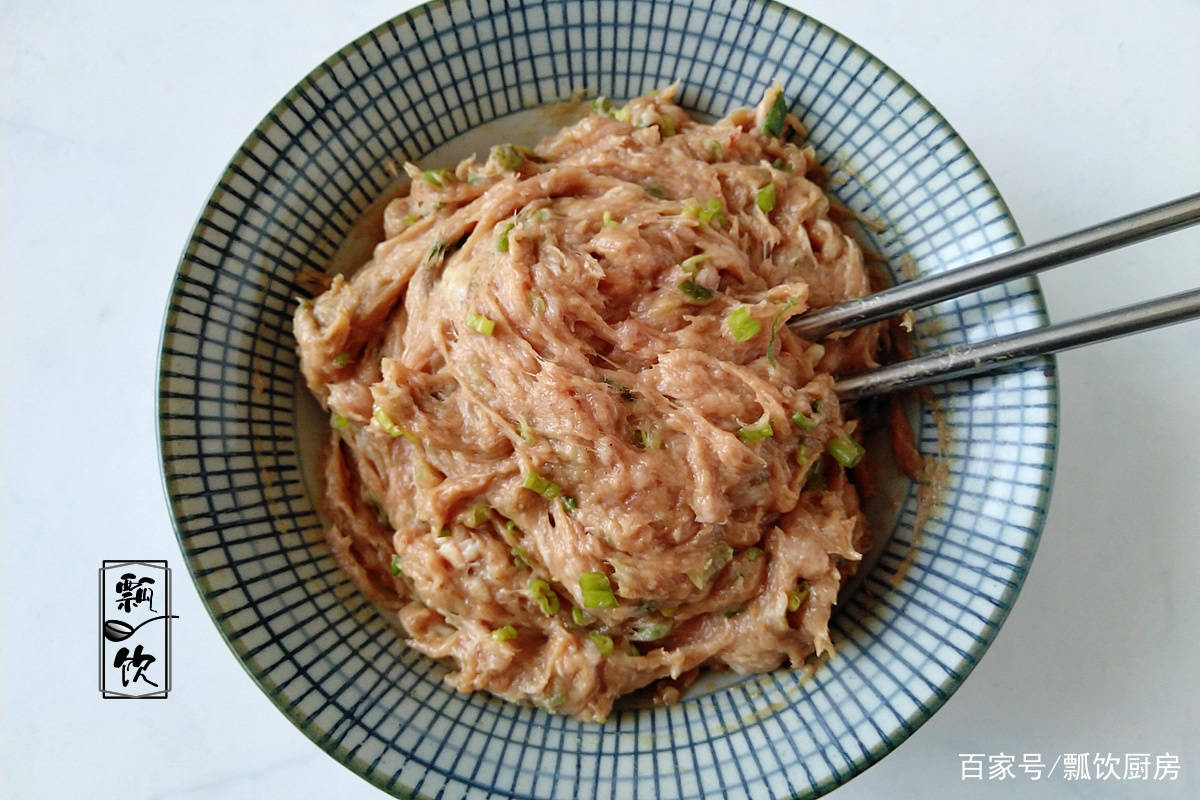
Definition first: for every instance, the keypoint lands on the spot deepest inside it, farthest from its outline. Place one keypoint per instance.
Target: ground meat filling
(572, 443)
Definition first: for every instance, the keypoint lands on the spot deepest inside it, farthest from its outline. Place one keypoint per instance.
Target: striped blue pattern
(228, 389)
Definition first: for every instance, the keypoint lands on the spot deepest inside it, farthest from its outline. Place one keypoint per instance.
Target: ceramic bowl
(235, 445)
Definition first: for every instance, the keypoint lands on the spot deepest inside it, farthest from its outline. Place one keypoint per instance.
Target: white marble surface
(116, 118)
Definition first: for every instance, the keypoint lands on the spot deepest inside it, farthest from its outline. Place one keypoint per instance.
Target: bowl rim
(898, 732)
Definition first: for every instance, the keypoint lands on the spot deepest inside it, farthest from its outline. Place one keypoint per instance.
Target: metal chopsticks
(983, 356)
(963, 360)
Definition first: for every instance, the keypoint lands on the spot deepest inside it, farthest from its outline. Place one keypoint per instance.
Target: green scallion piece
(797, 597)
(502, 241)
(666, 126)
(712, 212)
(578, 616)
(597, 591)
(544, 596)
(603, 106)
(511, 530)
(608, 221)
(773, 123)
(651, 630)
(781, 165)
(742, 325)
(480, 324)
(543, 486)
(603, 642)
(507, 157)
(765, 197)
(520, 558)
(691, 264)
(715, 151)
(752, 553)
(391, 428)
(443, 532)
(394, 566)
(802, 455)
(505, 634)
(720, 555)
(759, 430)
(341, 360)
(845, 451)
(775, 329)
(338, 420)
(569, 503)
(436, 177)
(695, 292)
(477, 515)
(654, 190)
(806, 422)
(648, 438)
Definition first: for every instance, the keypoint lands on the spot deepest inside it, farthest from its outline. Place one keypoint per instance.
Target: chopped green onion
(391, 428)
(802, 455)
(410, 219)
(443, 532)
(667, 612)
(603, 642)
(569, 503)
(394, 566)
(544, 596)
(597, 591)
(608, 221)
(654, 190)
(339, 421)
(696, 292)
(666, 125)
(525, 430)
(752, 554)
(775, 329)
(520, 558)
(648, 439)
(631, 649)
(781, 165)
(712, 211)
(436, 177)
(759, 430)
(720, 555)
(651, 630)
(765, 197)
(691, 264)
(437, 251)
(546, 488)
(603, 106)
(477, 515)
(507, 633)
(507, 157)
(510, 530)
(502, 241)
(715, 150)
(807, 422)
(773, 123)
(341, 360)
(578, 616)
(480, 323)
(742, 325)
(797, 597)
(846, 451)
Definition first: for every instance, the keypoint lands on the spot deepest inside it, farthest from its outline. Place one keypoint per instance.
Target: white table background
(117, 117)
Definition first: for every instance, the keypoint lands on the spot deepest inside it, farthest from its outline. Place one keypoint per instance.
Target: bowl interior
(233, 425)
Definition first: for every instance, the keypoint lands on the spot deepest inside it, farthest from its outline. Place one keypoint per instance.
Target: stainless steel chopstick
(963, 360)
(997, 269)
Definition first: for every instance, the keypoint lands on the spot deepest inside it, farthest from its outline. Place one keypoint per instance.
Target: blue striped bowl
(234, 455)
